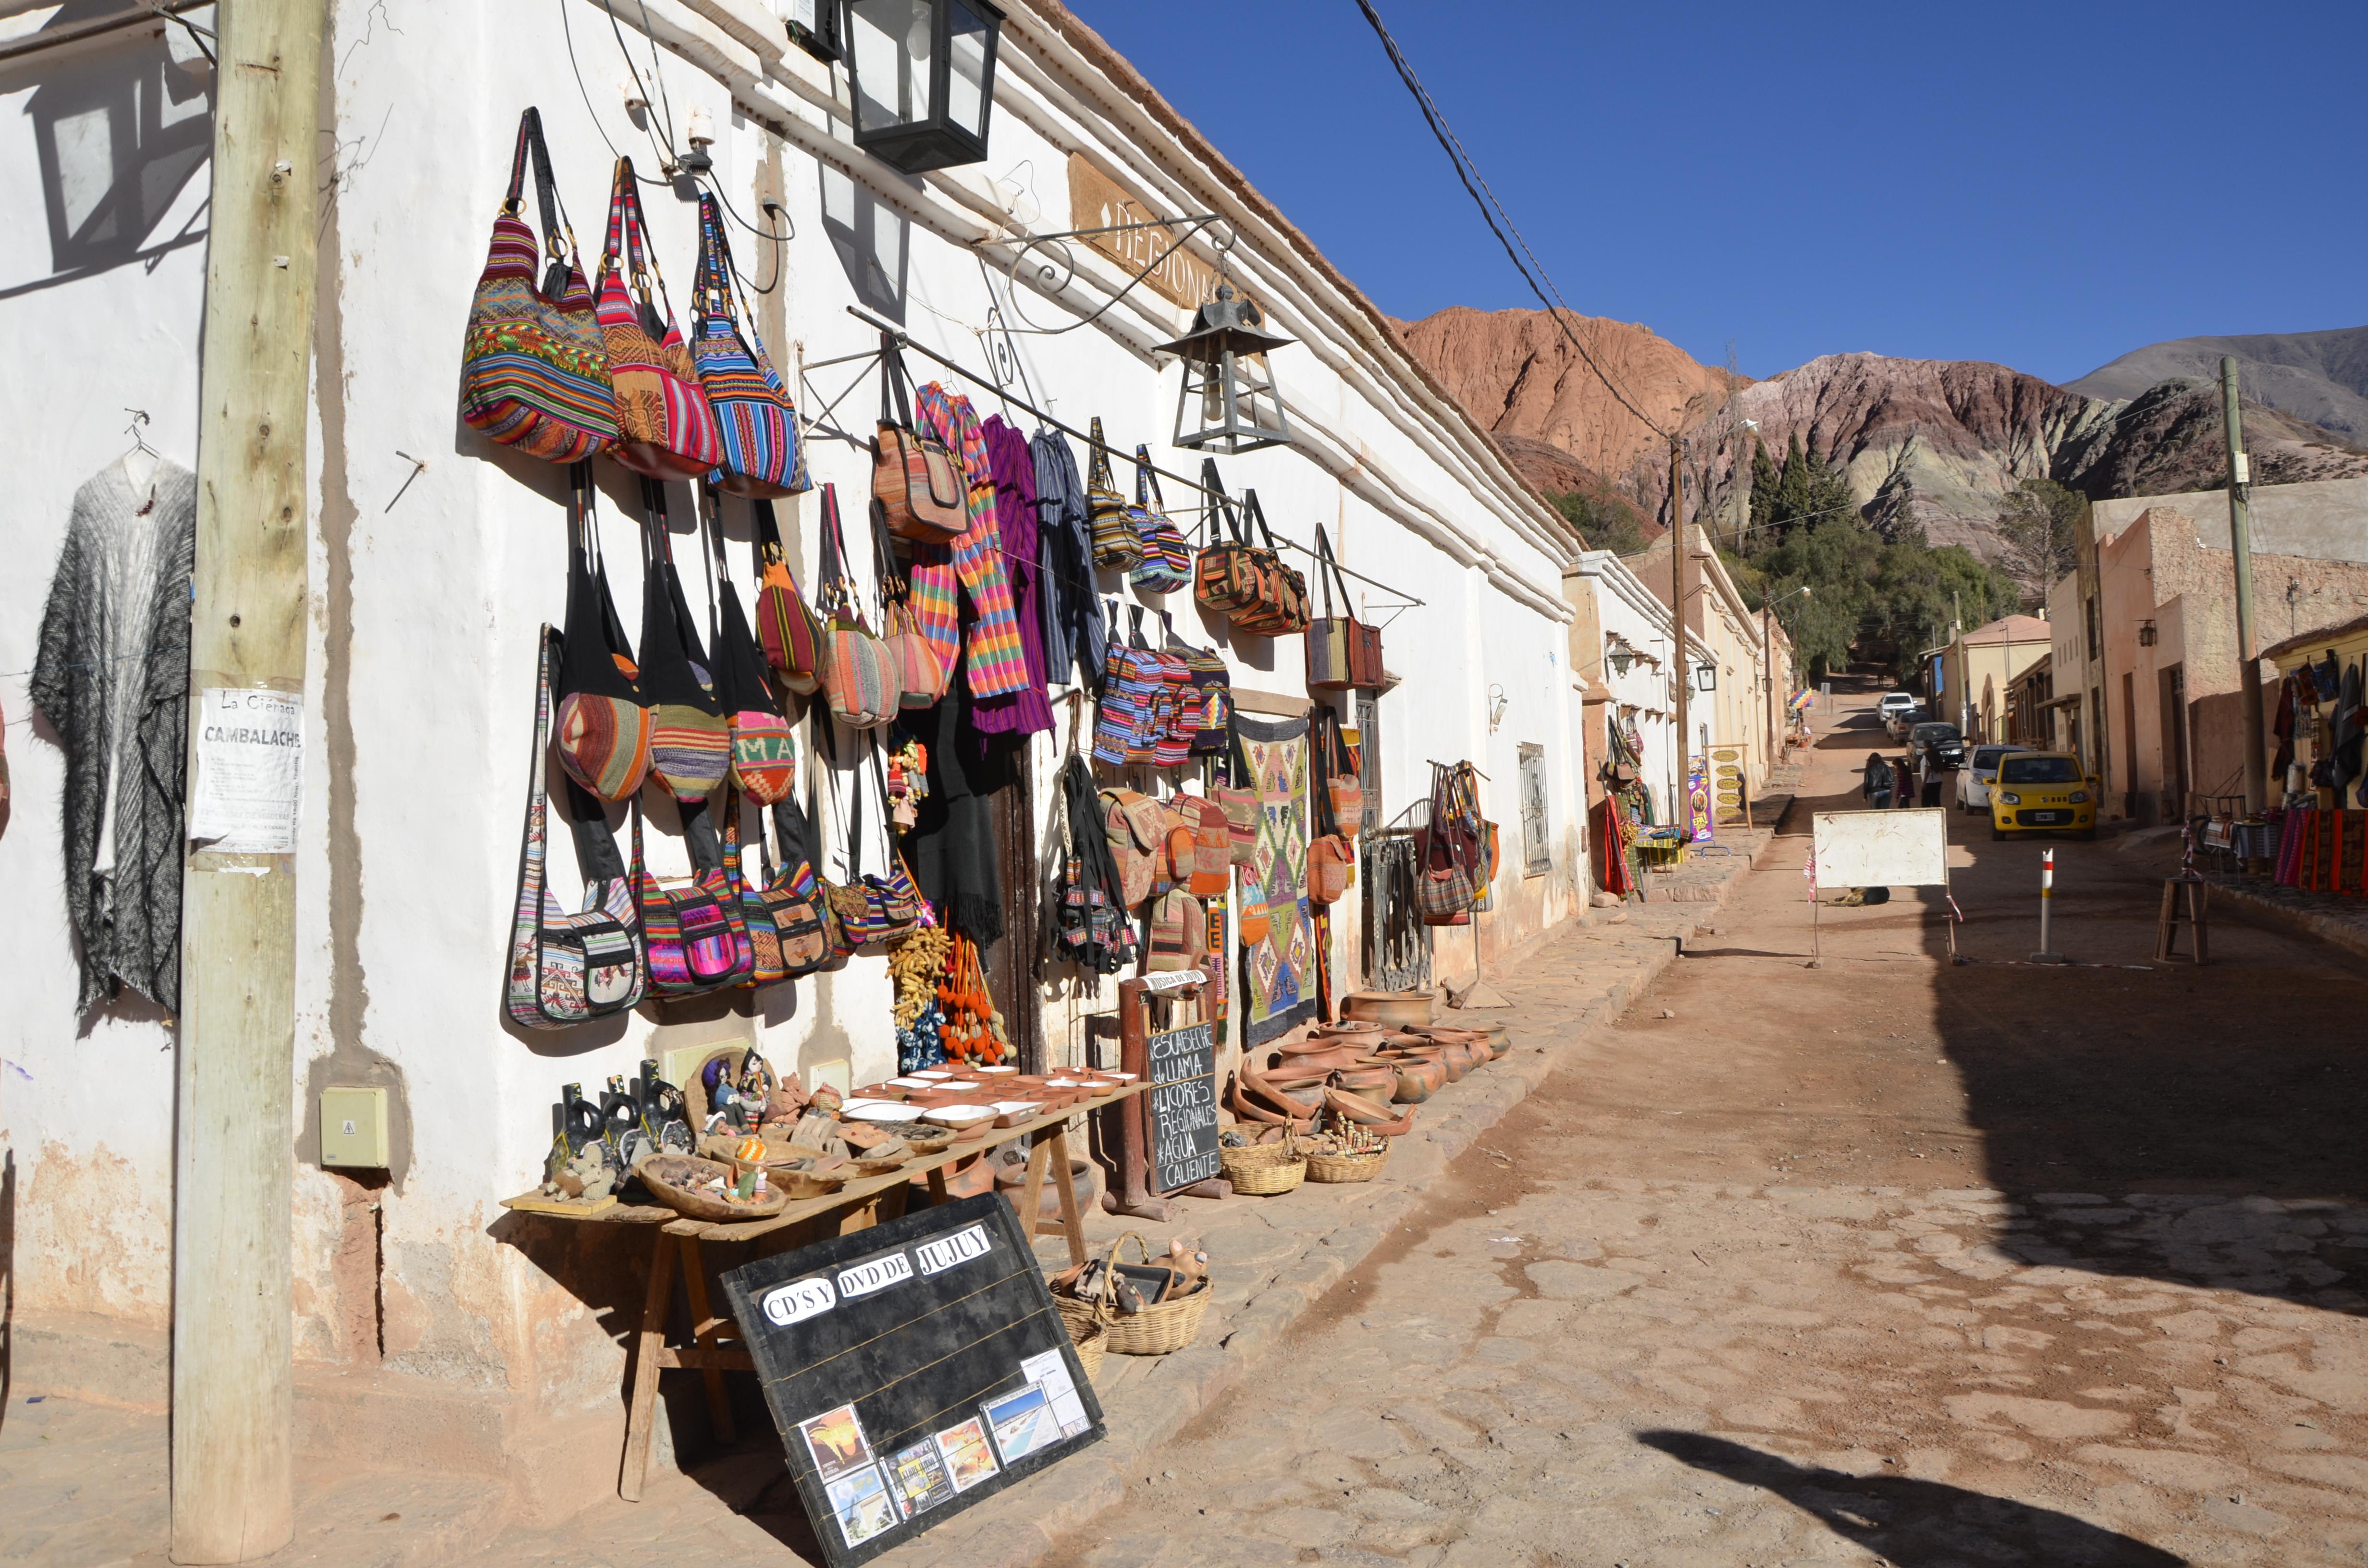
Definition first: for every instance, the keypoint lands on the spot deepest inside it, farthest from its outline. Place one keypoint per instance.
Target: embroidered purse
(917, 482)
(1116, 543)
(690, 746)
(604, 727)
(764, 747)
(785, 622)
(570, 969)
(754, 422)
(665, 429)
(534, 368)
(1166, 565)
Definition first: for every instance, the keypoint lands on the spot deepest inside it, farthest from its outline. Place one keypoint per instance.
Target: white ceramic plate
(880, 1110)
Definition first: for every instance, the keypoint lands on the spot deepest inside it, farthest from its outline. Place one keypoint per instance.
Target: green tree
(1763, 485)
(1604, 522)
(1804, 492)
(2039, 523)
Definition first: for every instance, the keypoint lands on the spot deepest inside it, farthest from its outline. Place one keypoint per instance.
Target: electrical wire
(1467, 172)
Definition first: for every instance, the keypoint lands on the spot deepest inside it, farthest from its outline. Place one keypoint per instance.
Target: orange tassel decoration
(967, 1031)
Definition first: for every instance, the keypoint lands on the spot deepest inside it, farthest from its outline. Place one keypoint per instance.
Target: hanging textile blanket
(1278, 969)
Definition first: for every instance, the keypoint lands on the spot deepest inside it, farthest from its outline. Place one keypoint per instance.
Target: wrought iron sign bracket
(1058, 268)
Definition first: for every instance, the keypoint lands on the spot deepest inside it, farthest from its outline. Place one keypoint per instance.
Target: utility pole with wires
(2240, 546)
(1682, 788)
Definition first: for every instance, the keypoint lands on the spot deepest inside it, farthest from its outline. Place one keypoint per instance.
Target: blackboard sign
(913, 1368)
(1179, 1110)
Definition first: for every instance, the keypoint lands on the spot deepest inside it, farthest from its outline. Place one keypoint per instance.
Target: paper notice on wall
(250, 765)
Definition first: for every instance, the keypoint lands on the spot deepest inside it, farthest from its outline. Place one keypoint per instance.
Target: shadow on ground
(1915, 1524)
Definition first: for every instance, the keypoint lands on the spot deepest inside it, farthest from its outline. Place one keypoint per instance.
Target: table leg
(719, 1404)
(1031, 1186)
(936, 1179)
(642, 1394)
(1071, 1220)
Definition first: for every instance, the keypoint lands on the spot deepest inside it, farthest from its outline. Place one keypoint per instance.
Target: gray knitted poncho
(112, 674)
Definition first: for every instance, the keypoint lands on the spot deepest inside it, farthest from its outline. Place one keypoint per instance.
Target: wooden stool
(2184, 901)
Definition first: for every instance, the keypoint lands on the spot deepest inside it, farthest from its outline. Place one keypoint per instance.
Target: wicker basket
(1263, 1170)
(1346, 1167)
(1091, 1350)
(1154, 1331)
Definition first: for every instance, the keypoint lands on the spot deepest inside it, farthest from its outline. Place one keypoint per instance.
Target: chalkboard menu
(913, 1368)
(1179, 1110)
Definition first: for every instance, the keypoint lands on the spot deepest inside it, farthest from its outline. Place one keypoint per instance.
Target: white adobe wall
(419, 686)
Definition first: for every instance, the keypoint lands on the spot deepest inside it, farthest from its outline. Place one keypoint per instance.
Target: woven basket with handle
(1263, 1170)
(1346, 1167)
(1154, 1331)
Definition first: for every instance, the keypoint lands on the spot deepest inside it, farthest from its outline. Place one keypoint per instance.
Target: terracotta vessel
(1396, 1008)
(1373, 1118)
(1377, 1082)
(1419, 1079)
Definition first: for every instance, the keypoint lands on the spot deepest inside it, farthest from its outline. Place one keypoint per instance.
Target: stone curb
(1024, 1525)
(2340, 928)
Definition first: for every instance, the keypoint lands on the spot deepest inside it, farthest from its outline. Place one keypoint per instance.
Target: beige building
(1973, 670)
(1742, 660)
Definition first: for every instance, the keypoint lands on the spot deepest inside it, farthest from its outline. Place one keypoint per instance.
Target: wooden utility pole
(2240, 544)
(1683, 791)
(232, 1388)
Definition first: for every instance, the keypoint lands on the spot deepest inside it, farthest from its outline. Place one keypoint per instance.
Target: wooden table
(861, 1204)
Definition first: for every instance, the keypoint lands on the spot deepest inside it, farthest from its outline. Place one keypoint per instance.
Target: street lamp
(923, 75)
(1224, 362)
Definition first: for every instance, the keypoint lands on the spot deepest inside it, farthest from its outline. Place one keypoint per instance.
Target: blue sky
(2047, 186)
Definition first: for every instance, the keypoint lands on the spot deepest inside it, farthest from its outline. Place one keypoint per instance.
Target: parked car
(2042, 792)
(1905, 720)
(1934, 744)
(1980, 771)
(1894, 702)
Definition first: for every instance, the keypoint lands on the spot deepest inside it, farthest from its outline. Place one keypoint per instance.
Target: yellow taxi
(2042, 792)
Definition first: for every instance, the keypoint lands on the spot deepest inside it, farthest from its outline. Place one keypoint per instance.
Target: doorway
(2130, 745)
(2174, 741)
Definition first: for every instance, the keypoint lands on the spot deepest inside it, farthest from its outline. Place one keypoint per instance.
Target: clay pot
(1376, 1082)
(1255, 1098)
(1321, 1056)
(1369, 1115)
(1500, 1042)
(974, 1177)
(1419, 1079)
(1396, 1008)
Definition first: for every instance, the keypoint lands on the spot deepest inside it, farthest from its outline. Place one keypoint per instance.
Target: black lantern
(1705, 678)
(923, 73)
(1622, 656)
(1225, 363)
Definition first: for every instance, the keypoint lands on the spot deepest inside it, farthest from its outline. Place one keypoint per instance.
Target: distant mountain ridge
(2320, 377)
(1925, 444)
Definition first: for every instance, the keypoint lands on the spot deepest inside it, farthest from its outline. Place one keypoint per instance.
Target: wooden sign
(1181, 1108)
(1729, 788)
(1097, 201)
(913, 1368)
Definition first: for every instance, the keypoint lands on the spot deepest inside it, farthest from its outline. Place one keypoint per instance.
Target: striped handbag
(570, 969)
(604, 727)
(791, 896)
(859, 672)
(916, 481)
(785, 622)
(1166, 566)
(534, 369)
(754, 419)
(1116, 541)
(690, 749)
(764, 747)
(692, 927)
(766, 964)
(665, 429)
(1343, 653)
(1279, 607)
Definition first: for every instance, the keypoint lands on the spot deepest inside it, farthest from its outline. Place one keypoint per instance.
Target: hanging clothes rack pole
(974, 379)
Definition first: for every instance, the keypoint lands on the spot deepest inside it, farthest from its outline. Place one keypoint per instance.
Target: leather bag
(1343, 653)
(918, 484)
(534, 365)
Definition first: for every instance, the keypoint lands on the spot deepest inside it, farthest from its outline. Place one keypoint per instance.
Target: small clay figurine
(1189, 1265)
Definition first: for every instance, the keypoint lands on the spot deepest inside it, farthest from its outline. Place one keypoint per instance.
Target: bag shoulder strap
(546, 188)
(892, 377)
(1097, 473)
(1254, 512)
(1218, 518)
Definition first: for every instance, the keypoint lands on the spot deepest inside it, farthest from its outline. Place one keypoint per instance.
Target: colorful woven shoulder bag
(1343, 653)
(764, 746)
(922, 676)
(785, 622)
(1280, 609)
(534, 369)
(1166, 565)
(791, 896)
(692, 927)
(917, 480)
(605, 729)
(859, 672)
(570, 969)
(754, 420)
(665, 429)
(690, 749)
(1108, 516)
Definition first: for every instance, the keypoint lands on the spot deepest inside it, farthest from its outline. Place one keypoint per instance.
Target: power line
(1467, 172)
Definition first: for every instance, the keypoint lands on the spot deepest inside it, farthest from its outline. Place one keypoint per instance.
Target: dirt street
(1888, 1261)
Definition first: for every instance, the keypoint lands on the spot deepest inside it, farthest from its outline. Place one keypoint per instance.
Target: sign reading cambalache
(1180, 1109)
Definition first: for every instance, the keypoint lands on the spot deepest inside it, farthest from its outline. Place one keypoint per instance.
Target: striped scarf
(997, 662)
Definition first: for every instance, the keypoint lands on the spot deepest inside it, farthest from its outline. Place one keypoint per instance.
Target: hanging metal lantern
(923, 73)
(1225, 367)
(1622, 656)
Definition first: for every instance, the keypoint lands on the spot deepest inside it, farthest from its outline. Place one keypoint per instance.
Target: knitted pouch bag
(1166, 566)
(917, 483)
(690, 749)
(1213, 846)
(534, 369)
(1343, 789)
(1331, 868)
(753, 420)
(604, 730)
(859, 672)
(665, 429)
(764, 746)
(570, 969)
(1134, 828)
(1116, 543)
(785, 622)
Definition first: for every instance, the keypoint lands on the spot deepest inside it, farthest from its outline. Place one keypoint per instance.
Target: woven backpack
(690, 746)
(534, 369)
(604, 727)
(1116, 543)
(755, 421)
(1166, 565)
(665, 429)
